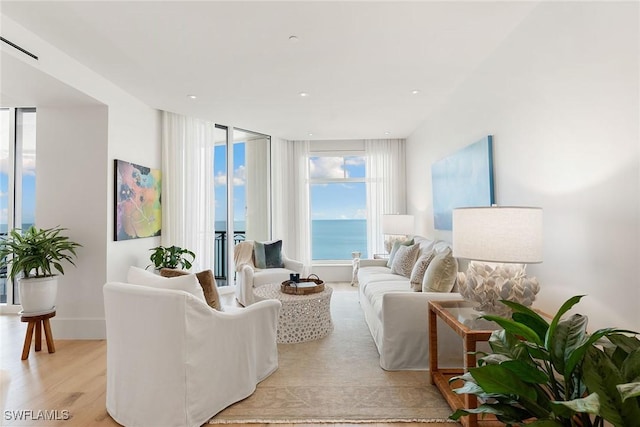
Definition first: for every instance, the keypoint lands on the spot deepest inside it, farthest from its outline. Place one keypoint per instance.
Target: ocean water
(333, 239)
(336, 239)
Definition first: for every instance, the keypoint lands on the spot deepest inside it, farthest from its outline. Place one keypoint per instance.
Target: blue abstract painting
(463, 179)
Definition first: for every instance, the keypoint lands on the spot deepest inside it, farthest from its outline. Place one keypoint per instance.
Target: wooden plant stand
(38, 323)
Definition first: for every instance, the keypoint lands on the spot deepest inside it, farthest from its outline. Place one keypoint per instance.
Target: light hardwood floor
(72, 379)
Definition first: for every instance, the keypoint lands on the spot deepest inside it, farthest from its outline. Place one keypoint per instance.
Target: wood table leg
(433, 344)
(470, 400)
(38, 335)
(49, 336)
(27, 341)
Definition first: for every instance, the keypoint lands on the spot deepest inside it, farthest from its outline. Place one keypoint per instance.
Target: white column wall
(561, 97)
(76, 147)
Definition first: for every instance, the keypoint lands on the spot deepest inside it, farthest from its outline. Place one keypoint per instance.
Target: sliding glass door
(242, 175)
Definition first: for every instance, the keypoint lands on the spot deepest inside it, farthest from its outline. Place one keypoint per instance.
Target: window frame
(311, 181)
(15, 193)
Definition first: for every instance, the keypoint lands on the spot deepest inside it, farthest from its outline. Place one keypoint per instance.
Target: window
(17, 179)
(338, 206)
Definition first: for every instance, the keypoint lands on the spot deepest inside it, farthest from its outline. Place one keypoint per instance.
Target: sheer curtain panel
(290, 161)
(386, 186)
(188, 215)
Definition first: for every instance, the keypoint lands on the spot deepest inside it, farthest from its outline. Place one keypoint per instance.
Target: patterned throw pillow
(394, 249)
(419, 268)
(207, 281)
(404, 259)
(442, 273)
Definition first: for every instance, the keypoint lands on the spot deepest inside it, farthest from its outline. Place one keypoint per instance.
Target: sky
(28, 166)
(329, 200)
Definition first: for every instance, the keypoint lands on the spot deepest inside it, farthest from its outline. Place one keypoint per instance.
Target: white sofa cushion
(188, 282)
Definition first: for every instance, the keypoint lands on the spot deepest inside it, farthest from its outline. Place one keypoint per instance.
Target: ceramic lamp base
(485, 284)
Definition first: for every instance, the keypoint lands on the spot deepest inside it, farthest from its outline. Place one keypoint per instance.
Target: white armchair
(248, 276)
(174, 361)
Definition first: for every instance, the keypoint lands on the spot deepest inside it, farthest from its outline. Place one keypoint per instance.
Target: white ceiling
(358, 61)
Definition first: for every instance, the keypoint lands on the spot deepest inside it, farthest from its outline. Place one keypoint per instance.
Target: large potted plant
(33, 258)
(556, 374)
(171, 257)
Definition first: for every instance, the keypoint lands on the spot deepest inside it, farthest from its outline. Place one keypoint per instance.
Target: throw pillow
(441, 273)
(419, 268)
(188, 283)
(394, 249)
(404, 259)
(207, 282)
(268, 254)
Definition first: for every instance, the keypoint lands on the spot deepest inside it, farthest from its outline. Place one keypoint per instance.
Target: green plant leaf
(631, 366)
(566, 408)
(629, 390)
(578, 354)
(515, 328)
(469, 388)
(625, 342)
(602, 376)
(526, 372)
(35, 251)
(498, 379)
(493, 359)
(568, 304)
(569, 335)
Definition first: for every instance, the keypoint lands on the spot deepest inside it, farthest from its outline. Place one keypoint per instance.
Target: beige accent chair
(174, 361)
(248, 276)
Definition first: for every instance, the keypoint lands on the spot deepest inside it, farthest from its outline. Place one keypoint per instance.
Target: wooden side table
(38, 322)
(471, 332)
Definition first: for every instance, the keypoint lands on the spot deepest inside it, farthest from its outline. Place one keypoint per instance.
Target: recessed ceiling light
(293, 39)
(191, 96)
(415, 91)
(303, 94)
(387, 133)
(310, 134)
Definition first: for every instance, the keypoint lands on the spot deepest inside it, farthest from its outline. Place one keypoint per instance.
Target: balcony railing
(220, 265)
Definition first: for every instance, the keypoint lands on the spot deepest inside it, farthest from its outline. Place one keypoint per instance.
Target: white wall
(71, 177)
(76, 147)
(561, 97)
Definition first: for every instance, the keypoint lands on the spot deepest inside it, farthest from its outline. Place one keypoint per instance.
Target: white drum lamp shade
(396, 224)
(498, 234)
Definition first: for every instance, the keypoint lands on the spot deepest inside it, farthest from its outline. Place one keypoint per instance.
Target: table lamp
(396, 227)
(499, 241)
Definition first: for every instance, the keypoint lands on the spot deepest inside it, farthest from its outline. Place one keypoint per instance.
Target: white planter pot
(38, 294)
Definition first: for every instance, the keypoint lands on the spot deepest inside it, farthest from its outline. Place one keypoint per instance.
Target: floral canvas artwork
(138, 210)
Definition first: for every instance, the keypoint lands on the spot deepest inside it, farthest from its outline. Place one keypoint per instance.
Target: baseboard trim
(78, 329)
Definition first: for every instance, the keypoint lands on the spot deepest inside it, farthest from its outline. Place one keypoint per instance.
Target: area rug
(338, 379)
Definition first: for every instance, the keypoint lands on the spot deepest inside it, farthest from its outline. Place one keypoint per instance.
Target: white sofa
(398, 317)
(173, 361)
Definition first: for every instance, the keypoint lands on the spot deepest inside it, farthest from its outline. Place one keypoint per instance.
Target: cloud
(327, 167)
(355, 160)
(239, 177)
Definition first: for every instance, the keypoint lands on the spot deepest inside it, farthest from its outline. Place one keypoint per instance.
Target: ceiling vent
(15, 46)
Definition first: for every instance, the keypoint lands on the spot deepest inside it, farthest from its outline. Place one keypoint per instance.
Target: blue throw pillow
(268, 254)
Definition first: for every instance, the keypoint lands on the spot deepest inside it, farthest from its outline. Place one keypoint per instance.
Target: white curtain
(257, 212)
(386, 186)
(188, 211)
(291, 223)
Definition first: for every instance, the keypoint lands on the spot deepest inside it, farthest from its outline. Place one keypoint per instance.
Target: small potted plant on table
(171, 257)
(33, 258)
